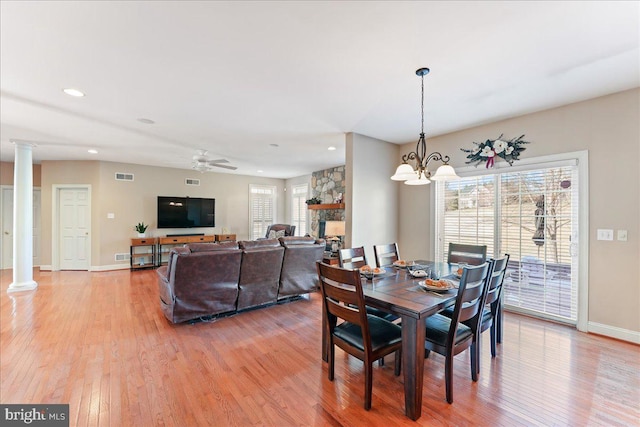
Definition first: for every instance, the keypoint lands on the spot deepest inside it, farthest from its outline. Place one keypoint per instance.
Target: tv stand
(171, 241)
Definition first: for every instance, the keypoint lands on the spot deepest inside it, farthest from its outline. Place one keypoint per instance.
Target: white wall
(132, 202)
(372, 198)
(608, 128)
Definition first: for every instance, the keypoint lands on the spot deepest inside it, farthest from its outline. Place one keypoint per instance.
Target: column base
(22, 286)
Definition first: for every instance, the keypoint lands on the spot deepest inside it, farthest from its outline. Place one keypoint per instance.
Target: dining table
(398, 292)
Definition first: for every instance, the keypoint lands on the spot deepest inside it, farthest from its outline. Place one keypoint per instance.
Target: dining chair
(492, 309)
(471, 254)
(450, 336)
(492, 313)
(351, 258)
(360, 334)
(354, 258)
(386, 254)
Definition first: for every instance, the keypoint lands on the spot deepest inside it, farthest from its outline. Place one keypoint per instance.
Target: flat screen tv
(186, 212)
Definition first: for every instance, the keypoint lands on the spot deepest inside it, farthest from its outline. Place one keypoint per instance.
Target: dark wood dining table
(397, 292)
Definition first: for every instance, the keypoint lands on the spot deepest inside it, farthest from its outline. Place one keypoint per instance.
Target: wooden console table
(166, 243)
(225, 237)
(142, 253)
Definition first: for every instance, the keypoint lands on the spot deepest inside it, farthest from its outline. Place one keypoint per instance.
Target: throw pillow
(275, 234)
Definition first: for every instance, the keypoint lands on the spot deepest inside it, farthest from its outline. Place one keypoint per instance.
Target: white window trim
(275, 203)
(291, 205)
(581, 158)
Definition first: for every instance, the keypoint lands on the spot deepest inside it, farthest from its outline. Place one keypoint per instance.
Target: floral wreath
(488, 150)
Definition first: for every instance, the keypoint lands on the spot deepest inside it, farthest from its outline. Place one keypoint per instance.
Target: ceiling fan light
(445, 173)
(404, 172)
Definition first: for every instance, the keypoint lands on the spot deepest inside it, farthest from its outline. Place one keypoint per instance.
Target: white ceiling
(235, 77)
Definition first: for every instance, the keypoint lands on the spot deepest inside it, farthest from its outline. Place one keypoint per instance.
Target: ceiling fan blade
(223, 166)
(218, 161)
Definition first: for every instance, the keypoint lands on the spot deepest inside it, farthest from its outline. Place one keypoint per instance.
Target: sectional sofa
(207, 279)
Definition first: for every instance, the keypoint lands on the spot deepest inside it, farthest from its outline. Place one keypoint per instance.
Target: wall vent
(123, 257)
(192, 181)
(122, 176)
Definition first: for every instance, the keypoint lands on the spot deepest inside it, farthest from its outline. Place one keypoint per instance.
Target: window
(262, 209)
(530, 214)
(299, 208)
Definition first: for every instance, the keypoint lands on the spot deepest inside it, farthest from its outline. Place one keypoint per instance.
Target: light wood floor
(99, 342)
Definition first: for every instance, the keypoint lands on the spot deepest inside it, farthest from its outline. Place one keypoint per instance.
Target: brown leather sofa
(259, 272)
(199, 280)
(207, 279)
(299, 276)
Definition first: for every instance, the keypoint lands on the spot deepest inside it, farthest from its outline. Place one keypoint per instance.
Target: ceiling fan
(203, 164)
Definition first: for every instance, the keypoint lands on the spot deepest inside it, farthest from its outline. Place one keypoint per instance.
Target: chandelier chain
(422, 103)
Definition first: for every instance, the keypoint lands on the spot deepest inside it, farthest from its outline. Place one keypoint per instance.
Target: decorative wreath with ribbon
(487, 151)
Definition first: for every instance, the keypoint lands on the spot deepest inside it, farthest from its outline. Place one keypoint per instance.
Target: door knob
(6, 232)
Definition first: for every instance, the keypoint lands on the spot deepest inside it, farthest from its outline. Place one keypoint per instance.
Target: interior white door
(7, 227)
(74, 227)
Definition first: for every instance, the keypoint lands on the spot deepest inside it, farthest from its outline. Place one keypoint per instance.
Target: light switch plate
(622, 235)
(111, 215)
(605, 234)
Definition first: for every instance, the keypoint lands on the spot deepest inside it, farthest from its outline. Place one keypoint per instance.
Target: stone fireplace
(327, 185)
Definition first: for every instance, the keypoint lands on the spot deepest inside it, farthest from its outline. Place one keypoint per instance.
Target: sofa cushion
(207, 247)
(299, 240)
(257, 244)
(273, 234)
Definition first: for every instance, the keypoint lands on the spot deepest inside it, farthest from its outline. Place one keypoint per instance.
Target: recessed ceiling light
(92, 151)
(259, 171)
(73, 92)
(331, 148)
(274, 145)
(146, 121)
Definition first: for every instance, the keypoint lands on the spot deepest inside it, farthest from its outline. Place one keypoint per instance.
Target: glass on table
(460, 269)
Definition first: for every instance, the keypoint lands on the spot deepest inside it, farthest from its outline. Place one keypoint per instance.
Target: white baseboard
(94, 268)
(109, 267)
(615, 332)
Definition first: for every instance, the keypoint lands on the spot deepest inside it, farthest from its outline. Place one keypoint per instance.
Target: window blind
(299, 208)
(532, 215)
(262, 209)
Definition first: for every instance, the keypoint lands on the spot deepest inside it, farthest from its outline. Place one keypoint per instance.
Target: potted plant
(141, 227)
(313, 201)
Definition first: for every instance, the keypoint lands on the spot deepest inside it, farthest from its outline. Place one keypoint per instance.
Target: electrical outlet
(622, 235)
(605, 234)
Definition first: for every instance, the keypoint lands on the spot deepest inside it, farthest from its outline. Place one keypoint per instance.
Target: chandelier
(421, 174)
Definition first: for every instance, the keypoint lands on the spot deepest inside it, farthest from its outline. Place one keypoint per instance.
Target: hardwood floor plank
(100, 342)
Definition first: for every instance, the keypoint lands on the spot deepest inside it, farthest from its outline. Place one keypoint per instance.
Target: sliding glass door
(533, 216)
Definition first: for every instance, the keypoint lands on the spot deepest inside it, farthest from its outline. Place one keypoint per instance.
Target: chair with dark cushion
(354, 258)
(492, 311)
(360, 334)
(492, 314)
(259, 272)
(471, 254)
(450, 336)
(351, 258)
(386, 254)
(280, 230)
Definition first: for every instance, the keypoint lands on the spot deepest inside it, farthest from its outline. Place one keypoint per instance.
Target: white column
(23, 220)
